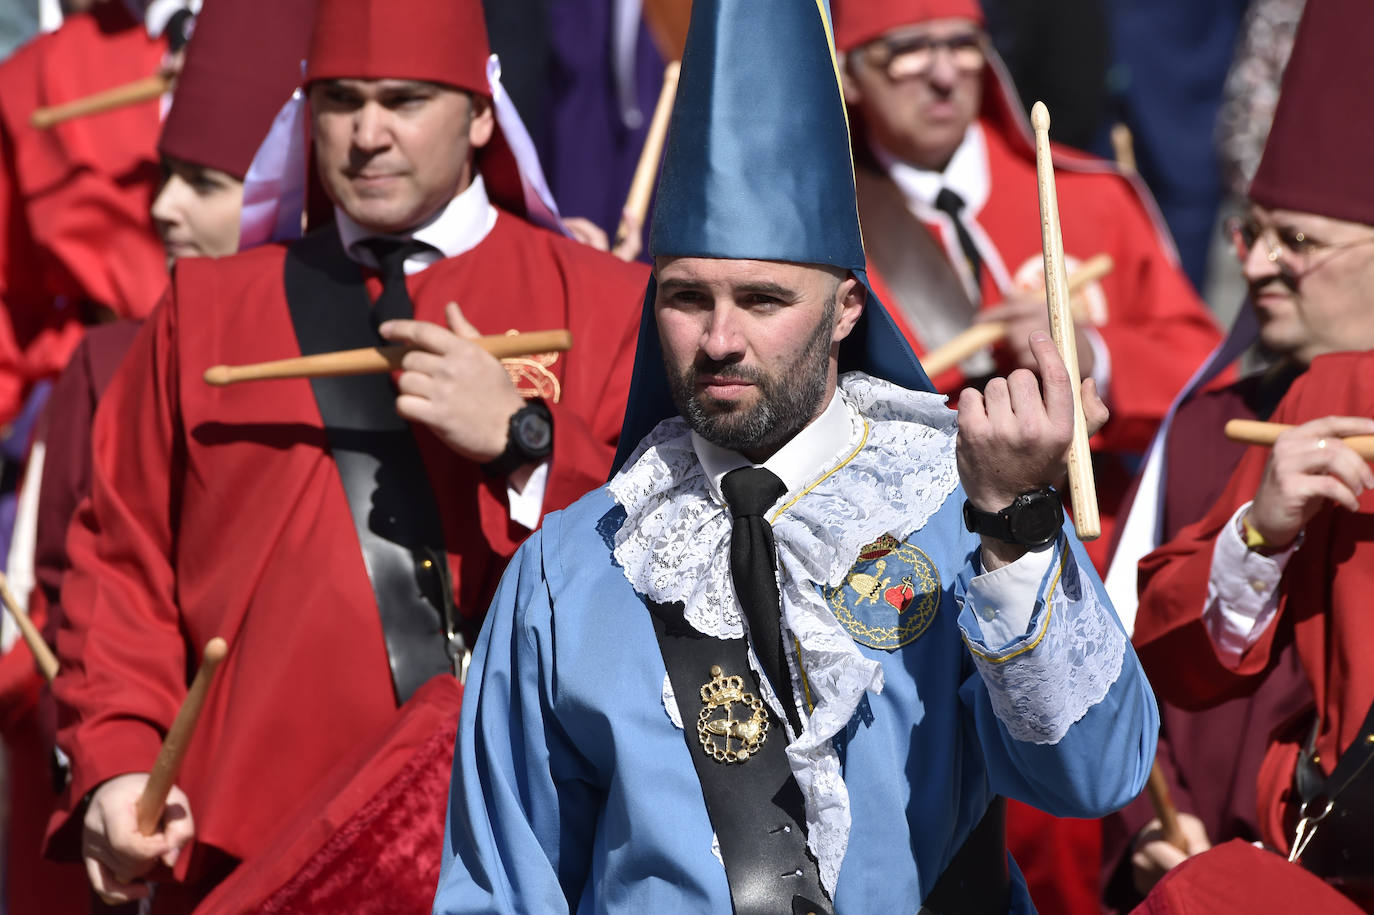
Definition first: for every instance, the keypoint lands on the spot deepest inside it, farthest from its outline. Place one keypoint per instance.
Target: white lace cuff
(1004, 599)
(1242, 591)
(1043, 682)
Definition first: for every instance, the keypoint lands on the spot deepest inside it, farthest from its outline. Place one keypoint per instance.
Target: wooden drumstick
(372, 360)
(1082, 492)
(1254, 432)
(1158, 790)
(1123, 148)
(168, 765)
(141, 90)
(642, 186)
(970, 341)
(42, 654)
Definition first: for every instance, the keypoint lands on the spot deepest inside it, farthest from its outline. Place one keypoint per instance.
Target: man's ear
(851, 297)
(853, 95)
(483, 123)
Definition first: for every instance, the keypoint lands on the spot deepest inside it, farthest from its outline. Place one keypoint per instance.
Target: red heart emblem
(900, 596)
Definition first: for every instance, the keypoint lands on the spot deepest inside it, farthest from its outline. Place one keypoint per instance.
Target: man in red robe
(1281, 559)
(74, 195)
(942, 145)
(1302, 305)
(945, 174)
(344, 553)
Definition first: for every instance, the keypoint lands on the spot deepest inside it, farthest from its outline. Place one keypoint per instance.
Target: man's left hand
(1013, 438)
(454, 386)
(1024, 316)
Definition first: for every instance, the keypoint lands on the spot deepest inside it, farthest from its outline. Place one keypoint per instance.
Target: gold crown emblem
(724, 737)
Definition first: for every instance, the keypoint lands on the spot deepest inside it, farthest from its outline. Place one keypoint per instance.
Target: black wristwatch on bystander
(1032, 520)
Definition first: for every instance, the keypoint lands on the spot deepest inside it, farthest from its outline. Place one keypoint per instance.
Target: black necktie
(391, 255)
(952, 204)
(749, 491)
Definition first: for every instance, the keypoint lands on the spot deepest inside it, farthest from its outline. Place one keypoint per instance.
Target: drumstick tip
(1040, 116)
(215, 650)
(217, 375)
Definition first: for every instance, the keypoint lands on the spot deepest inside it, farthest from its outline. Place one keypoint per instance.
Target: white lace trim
(670, 703)
(674, 548)
(1038, 695)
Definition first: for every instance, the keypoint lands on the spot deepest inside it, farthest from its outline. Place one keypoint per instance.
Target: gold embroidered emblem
(724, 737)
(531, 375)
(890, 596)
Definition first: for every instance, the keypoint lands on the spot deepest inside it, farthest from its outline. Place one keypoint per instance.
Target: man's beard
(787, 400)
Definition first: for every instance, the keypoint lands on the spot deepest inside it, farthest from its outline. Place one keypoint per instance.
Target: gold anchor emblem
(724, 737)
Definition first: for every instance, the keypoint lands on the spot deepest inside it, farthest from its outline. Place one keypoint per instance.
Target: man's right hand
(1309, 466)
(117, 856)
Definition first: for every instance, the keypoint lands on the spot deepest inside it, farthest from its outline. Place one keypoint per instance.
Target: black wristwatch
(529, 440)
(1032, 520)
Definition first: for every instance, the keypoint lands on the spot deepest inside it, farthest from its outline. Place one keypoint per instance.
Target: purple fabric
(591, 154)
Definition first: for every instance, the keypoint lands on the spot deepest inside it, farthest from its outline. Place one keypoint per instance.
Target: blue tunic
(574, 791)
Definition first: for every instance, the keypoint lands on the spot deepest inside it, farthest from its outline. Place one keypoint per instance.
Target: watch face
(534, 432)
(1036, 518)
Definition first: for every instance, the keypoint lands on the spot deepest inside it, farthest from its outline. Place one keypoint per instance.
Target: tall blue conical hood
(758, 167)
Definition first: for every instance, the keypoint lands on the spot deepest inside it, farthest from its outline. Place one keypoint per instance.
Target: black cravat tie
(391, 255)
(952, 204)
(749, 491)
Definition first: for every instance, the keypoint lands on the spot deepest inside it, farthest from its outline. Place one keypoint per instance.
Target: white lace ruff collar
(674, 547)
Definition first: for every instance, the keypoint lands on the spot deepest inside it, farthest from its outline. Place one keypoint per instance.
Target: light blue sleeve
(1065, 716)
(520, 820)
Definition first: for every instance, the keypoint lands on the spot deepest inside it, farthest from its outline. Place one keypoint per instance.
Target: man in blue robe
(784, 574)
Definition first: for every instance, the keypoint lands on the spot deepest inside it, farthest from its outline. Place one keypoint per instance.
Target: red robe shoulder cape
(75, 230)
(218, 511)
(1154, 326)
(1322, 598)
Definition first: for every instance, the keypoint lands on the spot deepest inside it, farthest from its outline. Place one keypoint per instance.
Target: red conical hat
(242, 64)
(439, 41)
(1317, 159)
(858, 22)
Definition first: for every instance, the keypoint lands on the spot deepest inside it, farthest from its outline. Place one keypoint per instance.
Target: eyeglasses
(1290, 248)
(904, 57)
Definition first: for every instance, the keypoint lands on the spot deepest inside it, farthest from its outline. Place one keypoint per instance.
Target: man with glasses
(947, 194)
(1282, 557)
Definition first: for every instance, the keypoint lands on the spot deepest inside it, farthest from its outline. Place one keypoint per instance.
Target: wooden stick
(1158, 790)
(1254, 432)
(372, 360)
(42, 654)
(970, 341)
(141, 90)
(642, 186)
(1123, 148)
(1082, 492)
(168, 765)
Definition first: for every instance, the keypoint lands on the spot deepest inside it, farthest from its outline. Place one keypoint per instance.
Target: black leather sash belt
(394, 510)
(1340, 808)
(758, 812)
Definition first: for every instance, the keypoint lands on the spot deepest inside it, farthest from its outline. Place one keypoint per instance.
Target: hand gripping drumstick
(1082, 493)
(1253, 432)
(373, 360)
(968, 342)
(1158, 790)
(140, 90)
(642, 186)
(42, 654)
(168, 764)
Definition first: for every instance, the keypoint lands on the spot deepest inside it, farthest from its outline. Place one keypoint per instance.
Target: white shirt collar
(966, 174)
(800, 462)
(458, 227)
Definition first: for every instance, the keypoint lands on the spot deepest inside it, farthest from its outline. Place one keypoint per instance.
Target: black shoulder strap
(755, 805)
(394, 510)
